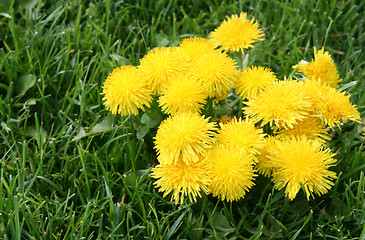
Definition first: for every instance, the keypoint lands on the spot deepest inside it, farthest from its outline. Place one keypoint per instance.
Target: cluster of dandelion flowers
(237, 33)
(182, 179)
(332, 106)
(197, 46)
(161, 65)
(125, 91)
(216, 71)
(322, 67)
(183, 94)
(231, 172)
(241, 134)
(197, 156)
(311, 127)
(252, 81)
(184, 137)
(300, 161)
(282, 103)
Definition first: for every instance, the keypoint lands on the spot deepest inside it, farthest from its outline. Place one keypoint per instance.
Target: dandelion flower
(252, 81)
(216, 71)
(264, 165)
(224, 119)
(220, 96)
(231, 172)
(182, 180)
(125, 91)
(183, 94)
(236, 33)
(332, 106)
(322, 67)
(282, 103)
(300, 161)
(197, 46)
(161, 65)
(311, 127)
(241, 134)
(184, 137)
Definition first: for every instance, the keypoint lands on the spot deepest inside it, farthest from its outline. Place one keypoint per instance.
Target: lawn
(72, 170)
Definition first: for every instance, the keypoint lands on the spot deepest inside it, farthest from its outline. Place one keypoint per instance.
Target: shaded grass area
(69, 169)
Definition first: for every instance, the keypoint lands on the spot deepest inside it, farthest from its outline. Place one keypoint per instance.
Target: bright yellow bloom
(322, 67)
(300, 161)
(231, 172)
(184, 137)
(282, 103)
(197, 46)
(161, 65)
(216, 71)
(236, 33)
(252, 81)
(183, 94)
(182, 180)
(333, 107)
(220, 96)
(125, 91)
(311, 127)
(241, 134)
(264, 165)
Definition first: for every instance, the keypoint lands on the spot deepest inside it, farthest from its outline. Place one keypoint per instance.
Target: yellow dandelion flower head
(242, 134)
(237, 33)
(220, 96)
(231, 172)
(216, 71)
(264, 165)
(301, 161)
(282, 103)
(332, 106)
(161, 65)
(196, 46)
(182, 180)
(321, 67)
(314, 88)
(184, 137)
(183, 94)
(125, 91)
(252, 81)
(312, 127)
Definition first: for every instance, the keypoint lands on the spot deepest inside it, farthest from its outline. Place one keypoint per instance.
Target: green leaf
(148, 121)
(30, 102)
(23, 84)
(32, 131)
(152, 119)
(245, 61)
(221, 223)
(122, 61)
(132, 177)
(142, 131)
(347, 85)
(27, 4)
(104, 125)
(162, 40)
(81, 134)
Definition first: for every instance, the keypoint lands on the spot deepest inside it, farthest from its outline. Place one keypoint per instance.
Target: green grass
(71, 170)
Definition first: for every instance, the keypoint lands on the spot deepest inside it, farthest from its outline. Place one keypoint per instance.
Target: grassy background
(70, 170)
